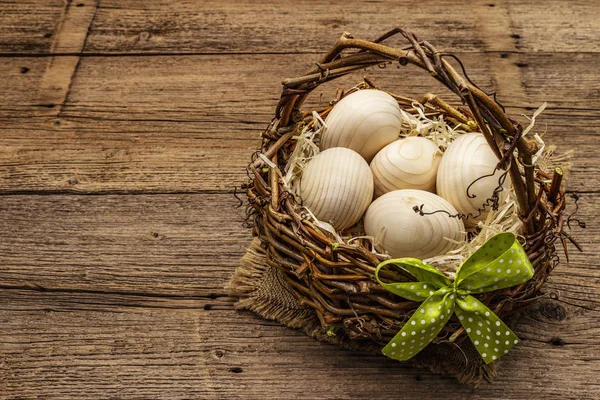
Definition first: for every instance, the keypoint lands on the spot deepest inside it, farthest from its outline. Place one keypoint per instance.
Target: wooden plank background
(126, 124)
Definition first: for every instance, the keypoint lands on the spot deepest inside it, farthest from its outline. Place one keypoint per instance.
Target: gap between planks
(84, 54)
(144, 192)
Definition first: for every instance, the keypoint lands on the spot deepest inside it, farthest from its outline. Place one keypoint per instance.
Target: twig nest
(364, 121)
(337, 187)
(402, 232)
(466, 177)
(409, 163)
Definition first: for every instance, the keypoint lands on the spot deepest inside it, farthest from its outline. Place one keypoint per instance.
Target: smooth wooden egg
(402, 232)
(337, 187)
(468, 158)
(364, 121)
(410, 163)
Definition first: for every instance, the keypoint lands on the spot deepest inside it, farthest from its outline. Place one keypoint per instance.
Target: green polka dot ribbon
(500, 263)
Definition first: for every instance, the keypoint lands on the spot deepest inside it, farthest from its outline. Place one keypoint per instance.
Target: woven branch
(337, 280)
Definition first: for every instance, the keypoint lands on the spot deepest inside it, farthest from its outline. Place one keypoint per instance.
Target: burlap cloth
(263, 290)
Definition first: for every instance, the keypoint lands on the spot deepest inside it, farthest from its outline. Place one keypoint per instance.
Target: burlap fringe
(264, 291)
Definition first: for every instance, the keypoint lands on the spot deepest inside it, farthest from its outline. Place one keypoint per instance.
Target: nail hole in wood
(24, 70)
(556, 341)
(47, 35)
(208, 307)
(515, 36)
(236, 370)
(219, 353)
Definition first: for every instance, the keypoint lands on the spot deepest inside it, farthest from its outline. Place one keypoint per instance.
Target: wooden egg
(468, 158)
(409, 163)
(364, 121)
(402, 232)
(337, 187)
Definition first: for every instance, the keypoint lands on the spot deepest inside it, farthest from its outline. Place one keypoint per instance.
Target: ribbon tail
(490, 336)
(424, 325)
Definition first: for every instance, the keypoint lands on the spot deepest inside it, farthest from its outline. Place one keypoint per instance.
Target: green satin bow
(500, 263)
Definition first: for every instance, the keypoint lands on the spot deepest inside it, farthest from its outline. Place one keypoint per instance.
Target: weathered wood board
(125, 125)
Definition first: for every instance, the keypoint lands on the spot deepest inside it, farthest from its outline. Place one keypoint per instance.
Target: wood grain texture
(147, 244)
(111, 346)
(83, 155)
(190, 123)
(27, 26)
(70, 36)
(168, 244)
(187, 87)
(208, 26)
(119, 228)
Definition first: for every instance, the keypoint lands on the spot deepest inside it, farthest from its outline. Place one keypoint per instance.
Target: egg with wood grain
(402, 232)
(410, 163)
(337, 187)
(466, 177)
(364, 121)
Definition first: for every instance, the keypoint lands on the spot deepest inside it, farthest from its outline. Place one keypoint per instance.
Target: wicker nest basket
(336, 279)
